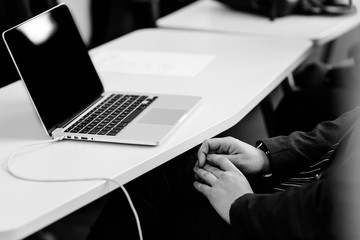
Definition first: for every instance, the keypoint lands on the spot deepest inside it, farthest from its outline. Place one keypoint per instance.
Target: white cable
(8, 169)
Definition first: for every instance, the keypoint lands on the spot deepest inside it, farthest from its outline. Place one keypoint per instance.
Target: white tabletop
(242, 72)
(210, 15)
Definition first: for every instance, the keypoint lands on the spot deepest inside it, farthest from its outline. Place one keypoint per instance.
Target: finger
(206, 148)
(232, 158)
(205, 176)
(215, 171)
(203, 188)
(202, 152)
(196, 166)
(222, 162)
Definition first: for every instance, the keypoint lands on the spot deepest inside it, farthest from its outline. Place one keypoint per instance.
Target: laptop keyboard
(112, 115)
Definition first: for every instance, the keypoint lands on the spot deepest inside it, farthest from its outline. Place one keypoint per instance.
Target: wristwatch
(261, 145)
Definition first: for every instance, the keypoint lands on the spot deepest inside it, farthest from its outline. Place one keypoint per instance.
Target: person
(324, 91)
(228, 189)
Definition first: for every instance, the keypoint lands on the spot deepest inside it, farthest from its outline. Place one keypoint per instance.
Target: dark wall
(109, 19)
(13, 12)
(114, 18)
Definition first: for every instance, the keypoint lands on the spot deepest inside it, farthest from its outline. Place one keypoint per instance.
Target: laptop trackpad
(162, 116)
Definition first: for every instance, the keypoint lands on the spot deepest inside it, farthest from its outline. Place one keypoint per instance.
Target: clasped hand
(219, 171)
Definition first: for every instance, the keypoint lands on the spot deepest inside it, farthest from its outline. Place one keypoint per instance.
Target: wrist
(266, 155)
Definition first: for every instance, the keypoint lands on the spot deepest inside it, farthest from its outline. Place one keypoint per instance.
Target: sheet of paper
(152, 63)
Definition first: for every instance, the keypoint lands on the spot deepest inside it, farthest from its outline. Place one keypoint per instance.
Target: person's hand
(245, 157)
(222, 183)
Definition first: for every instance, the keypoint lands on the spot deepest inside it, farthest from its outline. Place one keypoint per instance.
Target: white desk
(244, 71)
(210, 15)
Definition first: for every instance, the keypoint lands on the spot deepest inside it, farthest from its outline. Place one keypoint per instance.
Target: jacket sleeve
(299, 213)
(289, 154)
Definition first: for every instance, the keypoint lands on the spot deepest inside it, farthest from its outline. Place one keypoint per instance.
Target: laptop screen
(54, 64)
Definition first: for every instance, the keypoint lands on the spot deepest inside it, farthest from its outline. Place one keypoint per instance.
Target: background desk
(243, 72)
(210, 15)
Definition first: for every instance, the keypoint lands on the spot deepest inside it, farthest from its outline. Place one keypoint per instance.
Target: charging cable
(12, 156)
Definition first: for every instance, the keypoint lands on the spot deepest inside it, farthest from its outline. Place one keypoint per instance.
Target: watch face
(262, 147)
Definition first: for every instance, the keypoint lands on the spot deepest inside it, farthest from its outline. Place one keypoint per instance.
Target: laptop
(68, 94)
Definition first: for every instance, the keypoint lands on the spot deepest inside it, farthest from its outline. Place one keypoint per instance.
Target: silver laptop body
(66, 90)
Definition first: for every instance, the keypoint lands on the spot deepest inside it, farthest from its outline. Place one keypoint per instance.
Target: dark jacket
(298, 213)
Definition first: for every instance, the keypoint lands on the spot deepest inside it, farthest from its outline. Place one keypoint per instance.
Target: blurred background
(98, 21)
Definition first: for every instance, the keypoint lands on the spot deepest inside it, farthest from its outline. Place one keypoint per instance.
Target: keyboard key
(132, 116)
(112, 115)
